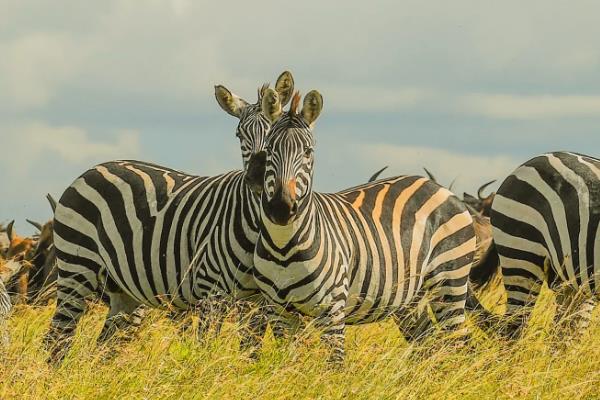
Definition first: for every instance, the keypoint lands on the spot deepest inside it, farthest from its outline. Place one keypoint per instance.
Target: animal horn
(430, 175)
(36, 224)
(376, 174)
(452, 184)
(482, 188)
(10, 230)
(52, 202)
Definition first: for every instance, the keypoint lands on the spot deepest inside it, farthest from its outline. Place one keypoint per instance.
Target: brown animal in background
(20, 249)
(35, 284)
(4, 242)
(481, 204)
(43, 272)
(8, 269)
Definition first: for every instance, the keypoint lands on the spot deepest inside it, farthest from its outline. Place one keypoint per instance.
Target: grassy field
(166, 364)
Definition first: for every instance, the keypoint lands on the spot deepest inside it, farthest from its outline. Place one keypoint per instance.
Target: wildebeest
(481, 203)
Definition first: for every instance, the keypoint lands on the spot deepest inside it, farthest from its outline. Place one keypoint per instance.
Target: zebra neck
(250, 209)
(245, 204)
(250, 201)
(288, 236)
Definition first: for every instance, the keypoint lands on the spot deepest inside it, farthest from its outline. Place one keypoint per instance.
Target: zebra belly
(280, 285)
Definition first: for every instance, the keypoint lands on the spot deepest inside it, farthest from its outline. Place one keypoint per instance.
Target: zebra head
(289, 155)
(254, 126)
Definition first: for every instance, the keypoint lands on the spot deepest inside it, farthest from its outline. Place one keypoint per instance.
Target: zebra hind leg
(75, 284)
(123, 319)
(573, 314)
(523, 282)
(413, 320)
(448, 293)
(414, 325)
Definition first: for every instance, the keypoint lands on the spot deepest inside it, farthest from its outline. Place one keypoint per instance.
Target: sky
(469, 89)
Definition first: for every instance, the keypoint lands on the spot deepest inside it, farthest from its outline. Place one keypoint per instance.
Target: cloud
(469, 171)
(459, 74)
(506, 106)
(33, 67)
(38, 158)
(27, 144)
(355, 98)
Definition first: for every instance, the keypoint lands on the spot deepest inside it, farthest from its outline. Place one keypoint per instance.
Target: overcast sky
(470, 89)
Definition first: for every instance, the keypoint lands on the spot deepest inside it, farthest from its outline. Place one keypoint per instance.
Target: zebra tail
(485, 269)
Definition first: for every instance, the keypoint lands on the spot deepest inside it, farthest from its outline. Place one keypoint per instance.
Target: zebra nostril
(294, 208)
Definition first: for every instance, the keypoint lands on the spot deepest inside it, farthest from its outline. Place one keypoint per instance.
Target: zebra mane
(295, 102)
(261, 91)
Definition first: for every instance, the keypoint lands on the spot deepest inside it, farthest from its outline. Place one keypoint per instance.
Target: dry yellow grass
(164, 364)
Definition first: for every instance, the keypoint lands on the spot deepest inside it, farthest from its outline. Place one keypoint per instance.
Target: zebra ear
(285, 87)
(271, 105)
(312, 106)
(232, 104)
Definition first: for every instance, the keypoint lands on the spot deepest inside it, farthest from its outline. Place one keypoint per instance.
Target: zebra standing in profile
(546, 228)
(145, 234)
(360, 255)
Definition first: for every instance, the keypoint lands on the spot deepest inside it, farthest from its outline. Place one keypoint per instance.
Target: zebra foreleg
(253, 325)
(181, 318)
(212, 311)
(285, 326)
(332, 322)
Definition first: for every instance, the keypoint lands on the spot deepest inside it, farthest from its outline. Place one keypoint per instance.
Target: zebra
(359, 255)
(545, 221)
(10, 268)
(145, 234)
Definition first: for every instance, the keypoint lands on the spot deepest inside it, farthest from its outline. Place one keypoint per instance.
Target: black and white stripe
(362, 254)
(8, 269)
(5, 308)
(546, 228)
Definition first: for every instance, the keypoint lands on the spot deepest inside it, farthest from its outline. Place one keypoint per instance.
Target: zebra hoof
(336, 360)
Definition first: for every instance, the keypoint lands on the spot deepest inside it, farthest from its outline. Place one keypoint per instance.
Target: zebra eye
(308, 151)
(238, 134)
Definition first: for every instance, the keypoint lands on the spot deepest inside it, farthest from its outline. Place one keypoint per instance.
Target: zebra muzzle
(283, 206)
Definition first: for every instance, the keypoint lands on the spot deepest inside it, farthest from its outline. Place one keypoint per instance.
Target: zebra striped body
(143, 234)
(546, 227)
(143, 225)
(5, 304)
(8, 270)
(5, 308)
(360, 255)
(383, 242)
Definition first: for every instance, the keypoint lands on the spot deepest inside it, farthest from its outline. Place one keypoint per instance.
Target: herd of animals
(137, 235)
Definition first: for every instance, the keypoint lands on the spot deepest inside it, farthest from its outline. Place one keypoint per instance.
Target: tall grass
(163, 363)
